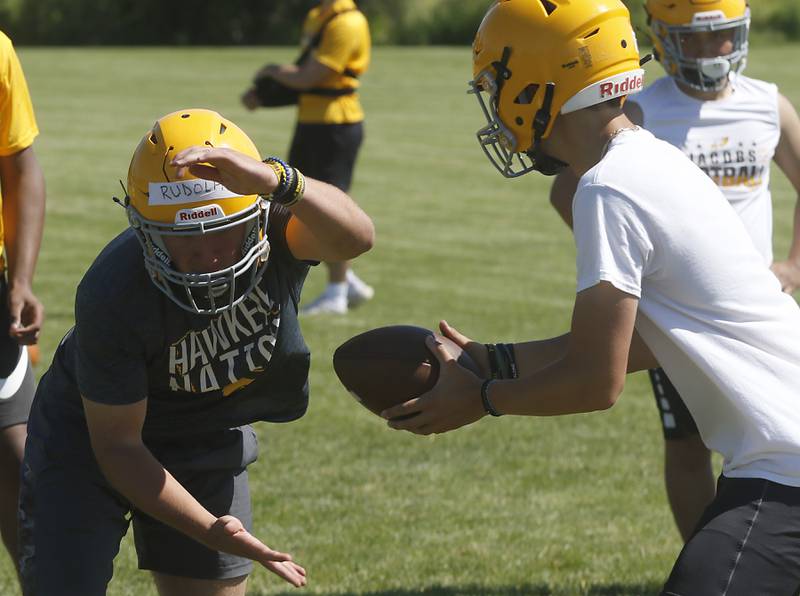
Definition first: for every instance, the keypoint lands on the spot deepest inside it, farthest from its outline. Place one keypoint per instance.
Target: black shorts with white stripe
(746, 544)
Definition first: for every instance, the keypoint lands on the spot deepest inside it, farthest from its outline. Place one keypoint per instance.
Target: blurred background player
(732, 127)
(330, 120)
(666, 273)
(23, 202)
(186, 332)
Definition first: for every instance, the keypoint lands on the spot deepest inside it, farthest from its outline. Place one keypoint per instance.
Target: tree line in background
(277, 22)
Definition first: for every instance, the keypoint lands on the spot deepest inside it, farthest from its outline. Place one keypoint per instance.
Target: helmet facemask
(497, 141)
(703, 73)
(209, 292)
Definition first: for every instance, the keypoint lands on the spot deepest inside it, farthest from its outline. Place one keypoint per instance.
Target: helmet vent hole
(222, 128)
(519, 121)
(592, 33)
(154, 139)
(185, 115)
(624, 44)
(527, 94)
(548, 6)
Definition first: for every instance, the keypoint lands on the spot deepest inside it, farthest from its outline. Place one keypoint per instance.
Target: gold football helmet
(677, 27)
(534, 59)
(159, 203)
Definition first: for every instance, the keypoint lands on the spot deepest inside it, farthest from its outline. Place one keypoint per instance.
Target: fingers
(439, 350)
(289, 571)
(406, 409)
(197, 154)
(26, 317)
(453, 334)
(201, 171)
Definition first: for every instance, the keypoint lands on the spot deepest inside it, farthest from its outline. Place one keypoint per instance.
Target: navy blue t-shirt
(199, 373)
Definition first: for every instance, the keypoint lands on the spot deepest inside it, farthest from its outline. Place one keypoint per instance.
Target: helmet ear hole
(548, 6)
(526, 96)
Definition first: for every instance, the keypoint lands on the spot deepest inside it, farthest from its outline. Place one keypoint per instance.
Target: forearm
(290, 75)
(340, 228)
(557, 389)
(535, 355)
(140, 478)
(23, 215)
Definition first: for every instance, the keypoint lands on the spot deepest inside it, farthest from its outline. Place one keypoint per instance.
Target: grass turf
(561, 506)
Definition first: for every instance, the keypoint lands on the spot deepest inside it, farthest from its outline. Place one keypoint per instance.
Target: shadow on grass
(613, 589)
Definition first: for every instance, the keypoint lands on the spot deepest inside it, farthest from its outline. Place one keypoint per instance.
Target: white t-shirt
(733, 140)
(653, 225)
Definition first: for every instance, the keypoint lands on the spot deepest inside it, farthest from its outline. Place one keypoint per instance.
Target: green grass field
(563, 506)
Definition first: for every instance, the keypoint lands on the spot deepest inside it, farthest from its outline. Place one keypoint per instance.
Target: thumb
(454, 334)
(438, 349)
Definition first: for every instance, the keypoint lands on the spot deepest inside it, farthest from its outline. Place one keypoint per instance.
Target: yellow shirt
(345, 45)
(17, 122)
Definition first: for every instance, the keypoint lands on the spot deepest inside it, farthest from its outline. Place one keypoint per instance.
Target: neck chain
(615, 134)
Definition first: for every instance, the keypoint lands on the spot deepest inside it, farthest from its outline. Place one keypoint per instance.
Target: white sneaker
(358, 294)
(326, 304)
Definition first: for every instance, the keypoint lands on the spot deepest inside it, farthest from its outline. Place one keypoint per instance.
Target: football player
(330, 120)
(21, 316)
(185, 333)
(666, 272)
(732, 127)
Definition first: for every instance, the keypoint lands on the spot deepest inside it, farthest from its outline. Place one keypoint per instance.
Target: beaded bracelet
(291, 183)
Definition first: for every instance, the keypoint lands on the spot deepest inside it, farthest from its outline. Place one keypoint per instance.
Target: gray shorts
(71, 521)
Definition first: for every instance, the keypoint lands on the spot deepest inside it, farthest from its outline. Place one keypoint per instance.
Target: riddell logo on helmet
(209, 212)
(630, 85)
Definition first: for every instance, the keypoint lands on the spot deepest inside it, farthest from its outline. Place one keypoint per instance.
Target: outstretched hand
(454, 401)
(238, 172)
(229, 535)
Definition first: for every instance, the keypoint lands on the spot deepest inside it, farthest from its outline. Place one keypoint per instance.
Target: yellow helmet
(674, 22)
(160, 203)
(534, 59)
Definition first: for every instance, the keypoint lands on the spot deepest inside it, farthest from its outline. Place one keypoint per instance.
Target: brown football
(388, 366)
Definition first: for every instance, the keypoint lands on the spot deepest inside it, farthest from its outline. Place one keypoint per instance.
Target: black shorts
(327, 152)
(71, 521)
(747, 543)
(17, 381)
(676, 421)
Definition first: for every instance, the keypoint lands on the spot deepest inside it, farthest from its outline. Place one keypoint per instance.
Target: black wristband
(507, 362)
(487, 404)
(494, 370)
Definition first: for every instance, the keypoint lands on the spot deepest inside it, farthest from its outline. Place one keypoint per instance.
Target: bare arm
(326, 225)
(787, 156)
(23, 218)
(130, 467)
(308, 75)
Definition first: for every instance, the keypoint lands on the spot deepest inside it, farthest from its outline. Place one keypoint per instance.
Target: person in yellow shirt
(330, 119)
(23, 199)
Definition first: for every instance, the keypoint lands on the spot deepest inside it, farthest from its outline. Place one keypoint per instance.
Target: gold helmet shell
(673, 22)
(159, 203)
(535, 59)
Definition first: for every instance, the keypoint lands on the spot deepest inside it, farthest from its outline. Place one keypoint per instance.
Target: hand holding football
(388, 366)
